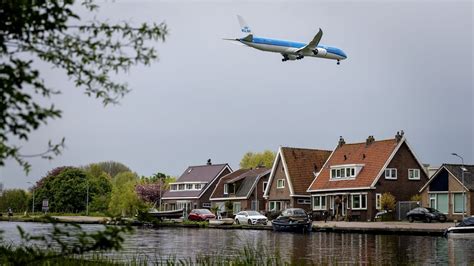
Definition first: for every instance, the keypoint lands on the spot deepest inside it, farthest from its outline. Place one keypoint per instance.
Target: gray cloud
(409, 67)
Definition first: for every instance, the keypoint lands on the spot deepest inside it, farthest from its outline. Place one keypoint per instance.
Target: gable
(278, 173)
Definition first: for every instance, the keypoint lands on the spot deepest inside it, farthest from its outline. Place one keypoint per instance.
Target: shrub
(388, 201)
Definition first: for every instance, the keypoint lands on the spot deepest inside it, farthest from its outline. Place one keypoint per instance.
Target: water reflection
(325, 248)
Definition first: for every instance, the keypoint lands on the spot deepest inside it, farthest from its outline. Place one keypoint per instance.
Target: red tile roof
(372, 156)
(302, 164)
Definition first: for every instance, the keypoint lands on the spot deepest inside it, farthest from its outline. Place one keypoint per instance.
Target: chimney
(341, 141)
(370, 139)
(399, 135)
(209, 162)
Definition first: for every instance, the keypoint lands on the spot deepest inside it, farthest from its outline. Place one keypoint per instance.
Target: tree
(88, 52)
(416, 197)
(66, 190)
(253, 160)
(124, 200)
(149, 192)
(110, 167)
(100, 187)
(17, 199)
(388, 202)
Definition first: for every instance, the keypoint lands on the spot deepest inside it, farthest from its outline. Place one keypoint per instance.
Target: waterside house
(444, 191)
(351, 183)
(292, 173)
(244, 188)
(194, 187)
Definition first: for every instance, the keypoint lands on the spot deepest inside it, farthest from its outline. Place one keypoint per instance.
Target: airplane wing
(313, 43)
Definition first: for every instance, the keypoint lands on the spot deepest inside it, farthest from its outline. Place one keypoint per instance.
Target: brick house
(244, 188)
(355, 176)
(292, 173)
(444, 191)
(194, 187)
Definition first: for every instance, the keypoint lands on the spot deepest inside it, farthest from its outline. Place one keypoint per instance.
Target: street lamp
(33, 205)
(463, 169)
(87, 198)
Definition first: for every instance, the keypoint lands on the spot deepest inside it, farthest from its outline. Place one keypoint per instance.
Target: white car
(250, 217)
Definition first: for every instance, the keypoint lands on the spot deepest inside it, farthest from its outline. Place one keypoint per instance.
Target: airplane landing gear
(338, 62)
(284, 59)
(299, 57)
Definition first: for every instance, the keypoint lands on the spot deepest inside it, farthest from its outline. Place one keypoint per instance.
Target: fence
(405, 206)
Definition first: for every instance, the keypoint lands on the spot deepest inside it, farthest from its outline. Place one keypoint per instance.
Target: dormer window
(349, 171)
(186, 186)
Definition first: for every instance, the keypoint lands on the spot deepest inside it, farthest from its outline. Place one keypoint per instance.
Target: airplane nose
(343, 54)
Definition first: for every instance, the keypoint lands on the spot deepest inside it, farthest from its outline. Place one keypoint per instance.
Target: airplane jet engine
(320, 51)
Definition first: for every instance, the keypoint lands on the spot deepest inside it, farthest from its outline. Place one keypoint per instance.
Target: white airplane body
(290, 50)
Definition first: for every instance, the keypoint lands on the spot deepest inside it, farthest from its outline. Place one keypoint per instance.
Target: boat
(464, 227)
(173, 214)
(292, 220)
(222, 221)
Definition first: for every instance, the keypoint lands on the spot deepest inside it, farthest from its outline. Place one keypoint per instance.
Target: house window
(280, 183)
(189, 186)
(181, 187)
(226, 189)
(359, 201)
(304, 201)
(197, 186)
(378, 201)
(391, 173)
(439, 201)
(319, 202)
(414, 174)
(174, 187)
(275, 206)
(458, 203)
(206, 205)
(236, 207)
(264, 186)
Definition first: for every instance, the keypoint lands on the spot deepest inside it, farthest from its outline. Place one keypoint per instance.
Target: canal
(316, 247)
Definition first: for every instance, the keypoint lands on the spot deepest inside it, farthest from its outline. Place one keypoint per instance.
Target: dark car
(201, 215)
(426, 215)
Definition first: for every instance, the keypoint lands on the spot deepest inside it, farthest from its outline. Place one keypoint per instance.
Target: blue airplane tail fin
(244, 28)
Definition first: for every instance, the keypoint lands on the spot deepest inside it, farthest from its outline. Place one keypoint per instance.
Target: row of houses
(348, 181)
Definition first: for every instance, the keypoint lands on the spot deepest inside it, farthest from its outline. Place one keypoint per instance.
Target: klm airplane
(288, 49)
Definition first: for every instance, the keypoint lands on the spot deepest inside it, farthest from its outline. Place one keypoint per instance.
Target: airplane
(288, 49)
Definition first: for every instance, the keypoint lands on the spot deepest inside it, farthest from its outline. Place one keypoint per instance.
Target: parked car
(426, 215)
(250, 217)
(201, 215)
(293, 219)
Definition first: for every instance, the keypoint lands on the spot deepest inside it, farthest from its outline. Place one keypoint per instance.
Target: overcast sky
(409, 67)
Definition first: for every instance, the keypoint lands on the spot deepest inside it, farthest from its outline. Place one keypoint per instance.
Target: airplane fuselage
(289, 49)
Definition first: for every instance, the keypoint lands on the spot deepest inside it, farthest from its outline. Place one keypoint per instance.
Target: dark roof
(199, 173)
(248, 177)
(302, 164)
(455, 169)
(373, 156)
